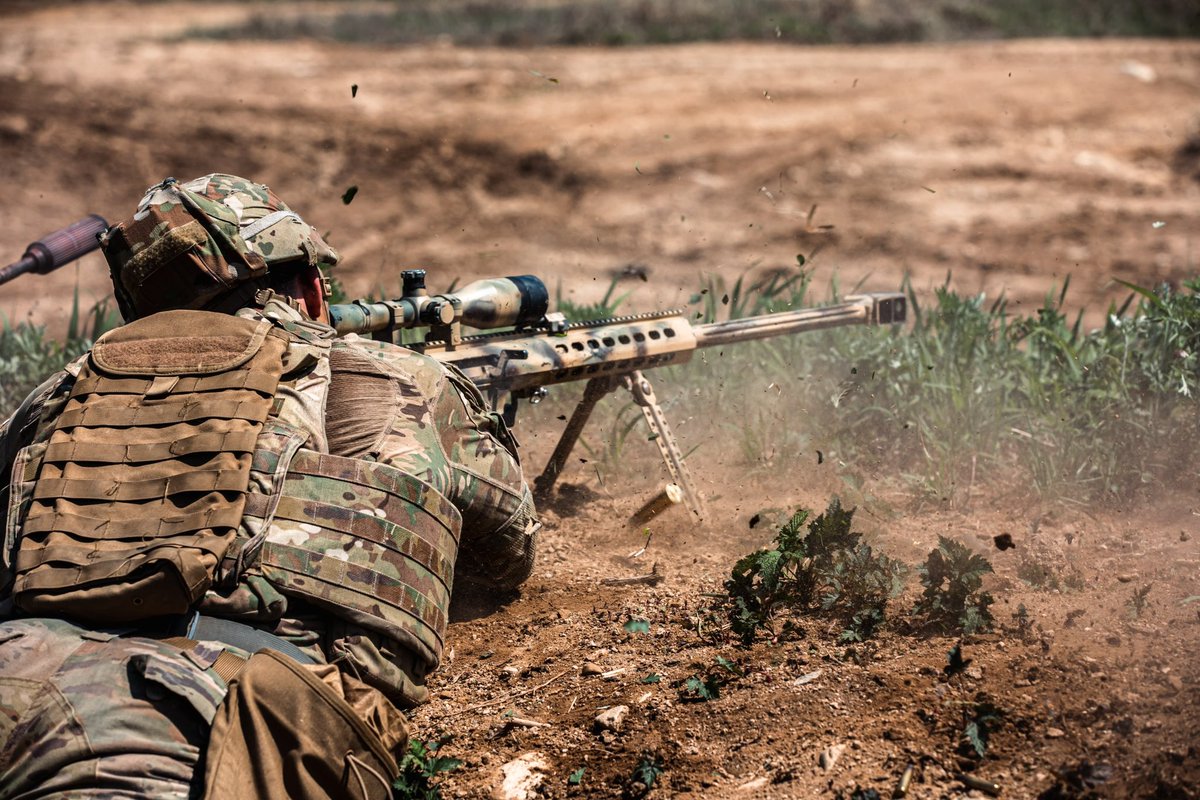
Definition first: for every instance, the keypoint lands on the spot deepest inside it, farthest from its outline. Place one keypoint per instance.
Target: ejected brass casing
(670, 496)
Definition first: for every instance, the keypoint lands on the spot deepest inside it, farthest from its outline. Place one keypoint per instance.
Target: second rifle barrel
(714, 334)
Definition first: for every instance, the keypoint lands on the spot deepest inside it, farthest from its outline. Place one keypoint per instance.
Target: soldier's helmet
(190, 244)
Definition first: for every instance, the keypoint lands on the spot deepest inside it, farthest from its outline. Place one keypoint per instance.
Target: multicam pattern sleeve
(407, 410)
(392, 405)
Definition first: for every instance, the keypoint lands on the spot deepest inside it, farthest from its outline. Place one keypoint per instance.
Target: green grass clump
(968, 394)
(28, 356)
(421, 771)
(521, 23)
(972, 392)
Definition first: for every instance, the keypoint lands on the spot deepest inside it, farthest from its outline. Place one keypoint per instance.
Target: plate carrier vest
(189, 453)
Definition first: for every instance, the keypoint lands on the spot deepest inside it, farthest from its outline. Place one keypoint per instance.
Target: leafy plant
(576, 777)
(1023, 623)
(863, 583)
(647, 771)
(825, 568)
(28, 356)
(981, 719)
(702, 688)
(420, 768)
(953, 599)
(1140, 600)
(1042, 573)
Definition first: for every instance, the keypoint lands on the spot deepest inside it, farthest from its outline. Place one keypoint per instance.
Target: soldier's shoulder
(423, 369)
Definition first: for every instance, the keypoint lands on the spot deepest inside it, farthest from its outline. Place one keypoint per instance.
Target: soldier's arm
(407, 410)
(500, 523)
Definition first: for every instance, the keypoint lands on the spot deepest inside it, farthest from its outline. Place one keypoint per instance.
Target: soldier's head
(212, 243)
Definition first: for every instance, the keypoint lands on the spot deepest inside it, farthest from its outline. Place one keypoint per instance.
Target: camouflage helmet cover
(189, 243)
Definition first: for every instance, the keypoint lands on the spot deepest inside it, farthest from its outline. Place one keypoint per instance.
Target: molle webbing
(369, 538)
(143, 482)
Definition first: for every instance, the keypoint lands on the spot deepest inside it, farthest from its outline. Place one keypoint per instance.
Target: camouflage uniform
(93, 711)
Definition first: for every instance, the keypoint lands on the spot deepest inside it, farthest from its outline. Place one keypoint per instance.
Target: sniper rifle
(541, 349)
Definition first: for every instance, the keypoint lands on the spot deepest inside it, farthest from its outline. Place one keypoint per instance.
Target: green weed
(1140, 600)
(28, 356)
(826, 568)
(953, 599)
(981, 718)
(645, 774)
(1023, 623)
(420, 770)
(706, 685)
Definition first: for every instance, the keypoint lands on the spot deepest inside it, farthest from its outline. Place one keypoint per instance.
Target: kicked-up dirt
(1002, 167)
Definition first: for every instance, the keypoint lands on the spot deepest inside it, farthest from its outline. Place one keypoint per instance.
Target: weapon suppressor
(57, 248)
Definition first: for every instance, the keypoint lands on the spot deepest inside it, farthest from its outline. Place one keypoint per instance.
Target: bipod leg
(643, 395)
(596, 388)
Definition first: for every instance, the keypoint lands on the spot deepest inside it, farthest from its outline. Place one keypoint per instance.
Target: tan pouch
(282, 734)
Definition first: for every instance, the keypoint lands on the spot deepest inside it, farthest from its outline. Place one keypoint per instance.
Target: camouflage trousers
(91, 714)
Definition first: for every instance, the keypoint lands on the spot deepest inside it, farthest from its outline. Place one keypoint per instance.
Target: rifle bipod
(643, 395)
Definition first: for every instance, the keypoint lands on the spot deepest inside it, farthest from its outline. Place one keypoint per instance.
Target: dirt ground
(1005, 167)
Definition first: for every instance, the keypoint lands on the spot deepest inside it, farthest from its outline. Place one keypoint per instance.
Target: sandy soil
(1007, 167)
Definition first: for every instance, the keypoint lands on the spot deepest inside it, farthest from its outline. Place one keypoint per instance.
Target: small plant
(758, 581)
(1044, 569)
(576, 777)
(981, 719)
(648, 770)
(1023, 623)
(826, 568)
(702, 688)
(863, 583)
(420, 769)
(953, 599)
(1140, 600)
(588, 312)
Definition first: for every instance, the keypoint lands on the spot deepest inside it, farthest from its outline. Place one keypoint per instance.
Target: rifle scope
(516, 301)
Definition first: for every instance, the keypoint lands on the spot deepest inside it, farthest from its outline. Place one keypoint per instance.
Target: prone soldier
(230, 536)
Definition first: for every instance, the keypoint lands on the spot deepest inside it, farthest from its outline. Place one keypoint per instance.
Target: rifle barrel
(879, 308)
